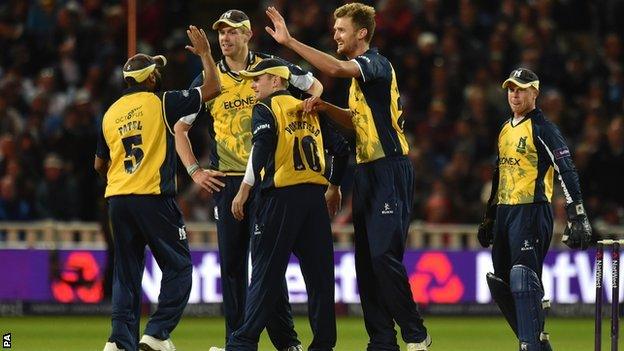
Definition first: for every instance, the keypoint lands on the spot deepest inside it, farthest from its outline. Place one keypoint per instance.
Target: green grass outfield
(449, 333)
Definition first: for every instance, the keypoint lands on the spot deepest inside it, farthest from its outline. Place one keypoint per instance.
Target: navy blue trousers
(156, 221)
(233, 237)
(292, 219)
(522, 235)
(382, 204)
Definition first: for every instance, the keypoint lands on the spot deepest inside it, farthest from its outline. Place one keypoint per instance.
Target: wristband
(192, 169)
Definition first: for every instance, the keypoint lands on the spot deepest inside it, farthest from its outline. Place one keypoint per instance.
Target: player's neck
(361, 49)
(238, 61)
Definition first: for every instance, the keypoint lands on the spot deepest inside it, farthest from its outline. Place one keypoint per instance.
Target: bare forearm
(322, 61)
(339, 115)
(183, 144)
(212, 85)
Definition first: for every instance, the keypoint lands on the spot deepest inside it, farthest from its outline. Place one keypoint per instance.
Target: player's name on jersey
(239, 103)
(297, 125)
(129, 126)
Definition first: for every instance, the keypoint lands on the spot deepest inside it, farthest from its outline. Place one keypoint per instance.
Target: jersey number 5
(310, 150)
(134, 153)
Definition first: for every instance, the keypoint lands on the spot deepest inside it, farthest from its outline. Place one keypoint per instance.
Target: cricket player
(383, 185)
(229, 117)
(136, 155)
(518, 219)
(292, 215)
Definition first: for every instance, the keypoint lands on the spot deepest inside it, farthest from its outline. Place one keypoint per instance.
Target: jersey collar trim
(531, 114)
(223, 66)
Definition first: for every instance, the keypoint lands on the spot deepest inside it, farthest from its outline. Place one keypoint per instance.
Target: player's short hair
(363, 16)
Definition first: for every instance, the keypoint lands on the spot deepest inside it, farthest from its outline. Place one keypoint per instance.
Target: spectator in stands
(12, 207)
(606, 168)
(57, 193)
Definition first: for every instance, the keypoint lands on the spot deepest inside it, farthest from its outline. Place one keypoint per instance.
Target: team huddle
(276, 164)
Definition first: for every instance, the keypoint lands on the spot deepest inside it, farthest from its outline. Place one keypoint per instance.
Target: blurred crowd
(60, 68)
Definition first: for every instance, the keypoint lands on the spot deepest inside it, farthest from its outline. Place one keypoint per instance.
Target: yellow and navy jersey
(528, 155)
(229, 113)
(375, 105)
(290, 145)
(137, 138)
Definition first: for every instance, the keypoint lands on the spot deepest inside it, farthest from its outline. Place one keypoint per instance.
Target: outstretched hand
(280, 33)
(199, 41)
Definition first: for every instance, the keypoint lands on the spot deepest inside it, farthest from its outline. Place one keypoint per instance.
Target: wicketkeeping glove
(578, 232)
(485, 235)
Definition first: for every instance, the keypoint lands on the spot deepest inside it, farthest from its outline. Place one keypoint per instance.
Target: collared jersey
(528, 155)
(137, 138)
(375, 105)
(289, 145)
(230, 125)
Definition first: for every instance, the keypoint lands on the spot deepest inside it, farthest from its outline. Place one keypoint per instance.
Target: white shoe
(420, 346)
(150, 343)
(214, 348)
(111, 346)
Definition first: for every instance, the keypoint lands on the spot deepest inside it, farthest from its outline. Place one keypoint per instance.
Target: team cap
(523, 78)
(268, 66)
(140, 66)
(233, 18)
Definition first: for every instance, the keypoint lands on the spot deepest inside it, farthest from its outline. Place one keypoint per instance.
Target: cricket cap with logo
(140, 66)
(234, 19)
(268, 66)
(523, 78)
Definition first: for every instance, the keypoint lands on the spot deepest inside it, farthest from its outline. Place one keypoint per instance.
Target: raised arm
(322, 61)
(200, 47)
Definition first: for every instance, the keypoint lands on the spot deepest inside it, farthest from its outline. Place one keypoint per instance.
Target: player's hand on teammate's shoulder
(333, 198)
(199, 41)
(209, 179)
(313, 104)
(238, 204)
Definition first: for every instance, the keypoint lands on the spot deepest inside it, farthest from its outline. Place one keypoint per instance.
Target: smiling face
(346, 36)
(521, 100)
(232, 40)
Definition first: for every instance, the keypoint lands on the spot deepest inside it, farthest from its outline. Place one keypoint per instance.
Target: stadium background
(60, 68)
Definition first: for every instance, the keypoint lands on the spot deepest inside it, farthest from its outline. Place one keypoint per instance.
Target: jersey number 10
(310, 150)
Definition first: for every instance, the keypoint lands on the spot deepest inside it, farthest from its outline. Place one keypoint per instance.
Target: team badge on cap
(233, 18)
(523, 78)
